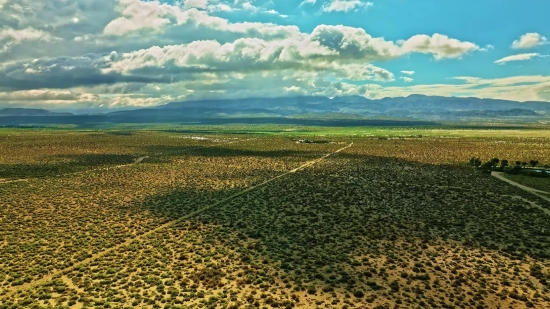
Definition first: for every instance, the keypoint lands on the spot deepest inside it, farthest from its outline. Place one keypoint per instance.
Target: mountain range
(312, 109)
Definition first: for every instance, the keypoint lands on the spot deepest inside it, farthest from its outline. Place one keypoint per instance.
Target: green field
(448, 131)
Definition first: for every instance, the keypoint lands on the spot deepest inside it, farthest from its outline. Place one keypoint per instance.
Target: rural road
(98, 255)
(536, 192)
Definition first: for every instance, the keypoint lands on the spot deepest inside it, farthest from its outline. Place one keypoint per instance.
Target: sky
(82, 54)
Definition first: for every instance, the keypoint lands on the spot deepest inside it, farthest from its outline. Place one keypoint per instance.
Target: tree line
(495, 164)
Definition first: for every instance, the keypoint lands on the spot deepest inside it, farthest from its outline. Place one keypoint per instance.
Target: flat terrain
(182, 219)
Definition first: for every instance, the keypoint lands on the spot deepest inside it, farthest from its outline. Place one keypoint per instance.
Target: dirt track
(536, 192)
(165, 225)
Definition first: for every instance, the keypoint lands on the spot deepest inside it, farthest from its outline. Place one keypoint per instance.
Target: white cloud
(519, 57)
(310, 2)
(529, 40)
(46, 95)
(199, 4)
(345, 5)
(327, 48)
(141, 53)
(138, 16)
(23, 35)
(407, 79)
(10, 38)
(441, 46)
(408, 72)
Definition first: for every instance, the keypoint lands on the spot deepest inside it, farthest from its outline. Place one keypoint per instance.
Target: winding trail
(500, 175)
(101, 254)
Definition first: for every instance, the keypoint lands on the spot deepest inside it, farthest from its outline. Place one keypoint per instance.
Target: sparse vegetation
(388, 222)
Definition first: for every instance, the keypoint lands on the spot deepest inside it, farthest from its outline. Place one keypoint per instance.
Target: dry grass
(538, 183)
(383, 224)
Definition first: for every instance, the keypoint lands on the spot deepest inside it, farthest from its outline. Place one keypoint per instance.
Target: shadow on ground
(60, 165)
(318, 224)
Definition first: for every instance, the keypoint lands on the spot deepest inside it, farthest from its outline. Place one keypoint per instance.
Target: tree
(524, 164)
(504, 163)
(494, 161)
(533, 163)
(518, 163)
(476, 162)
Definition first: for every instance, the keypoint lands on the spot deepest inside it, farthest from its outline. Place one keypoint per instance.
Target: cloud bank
(106, 53)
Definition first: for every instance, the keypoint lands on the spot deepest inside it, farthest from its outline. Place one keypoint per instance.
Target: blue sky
(128, 53)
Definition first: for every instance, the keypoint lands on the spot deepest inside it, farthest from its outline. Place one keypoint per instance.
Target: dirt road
(163, 226)
(536, 192)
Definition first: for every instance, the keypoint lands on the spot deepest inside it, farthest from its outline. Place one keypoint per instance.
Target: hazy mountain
(30, 112)
(516, 112)
(414, 106)
(349, 110)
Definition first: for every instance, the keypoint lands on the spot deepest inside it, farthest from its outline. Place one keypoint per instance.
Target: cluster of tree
(493, 165)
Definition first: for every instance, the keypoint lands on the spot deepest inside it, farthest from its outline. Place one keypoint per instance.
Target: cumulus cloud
(529, 40)
(334, 50)
(519, 57)
(138, 53)
(326, 48)
(64, 72)
(406, 79)
(139, 17)
(99, 26)
(408, 72)
(61, 18)
(441, 46)
(22, 35)
(199, 4)
(345, 5)
(10, 37)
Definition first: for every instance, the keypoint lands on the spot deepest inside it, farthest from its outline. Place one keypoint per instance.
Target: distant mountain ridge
(413, 106)
(515, 112)
(306, 109)
(17, 111)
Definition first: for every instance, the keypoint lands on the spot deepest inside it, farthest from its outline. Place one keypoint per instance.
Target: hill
(312, 110)
(29, 112)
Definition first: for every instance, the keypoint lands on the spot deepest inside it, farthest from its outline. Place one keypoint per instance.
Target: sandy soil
(103, 253)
